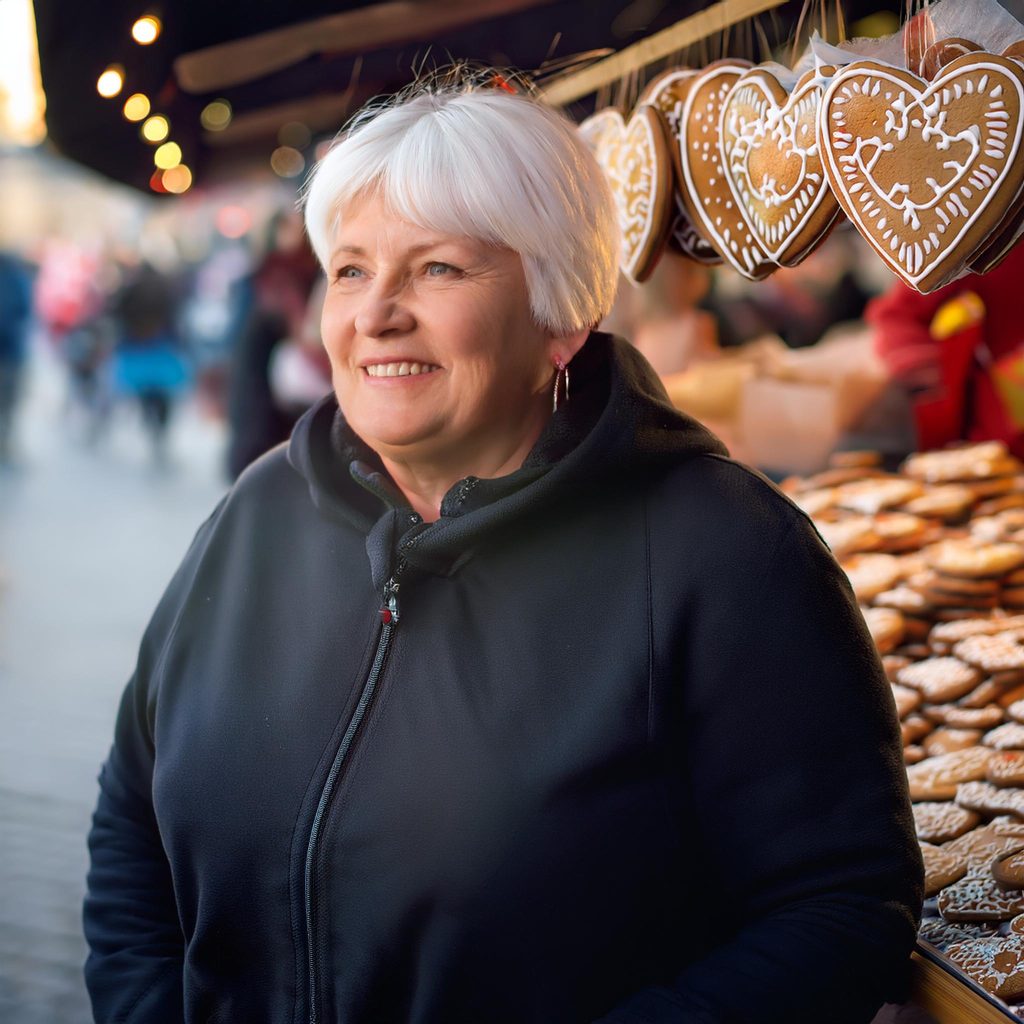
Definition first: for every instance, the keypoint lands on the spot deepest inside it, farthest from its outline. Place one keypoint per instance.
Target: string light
(155, 128)
(167, 156)
(287, 162)
(111, 82)
(136, 107)
(146, 29)
(177, 179)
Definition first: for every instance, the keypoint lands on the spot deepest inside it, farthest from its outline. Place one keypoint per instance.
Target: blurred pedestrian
(15, 318)
(281, 286)
(149, 364)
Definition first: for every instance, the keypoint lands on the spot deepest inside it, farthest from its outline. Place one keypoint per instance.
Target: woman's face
(434, 354)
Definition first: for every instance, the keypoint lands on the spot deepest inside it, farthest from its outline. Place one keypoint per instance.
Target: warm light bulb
(177, 179)
(136, 107)
(216, 116)
(168, 155)
(287, 162)
(146, 29)
(111, 82)
(155, 129)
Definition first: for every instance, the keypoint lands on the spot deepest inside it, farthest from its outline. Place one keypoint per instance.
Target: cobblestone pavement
(88, 539)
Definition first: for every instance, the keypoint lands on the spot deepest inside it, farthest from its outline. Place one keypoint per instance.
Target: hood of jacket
(618, 426)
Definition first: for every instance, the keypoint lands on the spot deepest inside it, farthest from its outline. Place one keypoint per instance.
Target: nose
(382, 313)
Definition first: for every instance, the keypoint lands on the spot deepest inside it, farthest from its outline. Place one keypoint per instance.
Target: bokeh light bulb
(111, 82)
(146, 29)
(287, 162)
(216, 116)
(136, 107)
(155, 128)
(168, 155)
(177, 179)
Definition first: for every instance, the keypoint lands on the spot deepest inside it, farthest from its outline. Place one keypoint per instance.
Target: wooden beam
(396, 21)
(662, 44)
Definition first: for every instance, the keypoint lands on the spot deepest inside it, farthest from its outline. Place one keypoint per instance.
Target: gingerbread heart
(637, 162)
(771, 160)
(944, 52)
(708, 198)
(667, 94)
(925, 172)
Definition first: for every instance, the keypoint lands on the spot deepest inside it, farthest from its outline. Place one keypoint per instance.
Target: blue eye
(439, 269)
(349, 272)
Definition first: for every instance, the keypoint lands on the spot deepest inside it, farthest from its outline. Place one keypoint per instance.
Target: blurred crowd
(236, 332)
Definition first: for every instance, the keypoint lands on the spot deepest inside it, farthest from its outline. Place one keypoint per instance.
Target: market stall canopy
(300, 68)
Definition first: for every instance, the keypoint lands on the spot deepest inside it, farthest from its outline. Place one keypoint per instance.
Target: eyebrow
(416, 250)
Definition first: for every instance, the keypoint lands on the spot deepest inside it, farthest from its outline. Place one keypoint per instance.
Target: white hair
(484, 163)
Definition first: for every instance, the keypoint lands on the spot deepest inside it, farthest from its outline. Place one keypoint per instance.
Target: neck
(425, 482)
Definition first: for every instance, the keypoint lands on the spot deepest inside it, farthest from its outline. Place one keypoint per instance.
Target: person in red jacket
(905, 342)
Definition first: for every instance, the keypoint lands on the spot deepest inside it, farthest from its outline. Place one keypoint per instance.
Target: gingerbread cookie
(849, 536)
(925, 171)
(706, 194)
(940, 679)
(667, 94)
(945, 741)
(997, 652)
(983, 695)
(864, 459)
(1014, 710)
(949, 502)
(996, 964)
(1008, 869)
(940, 822)
(984, 798)
(941, 868)
(871, 574)
(914, 728)
(981, 845)
(1006, 768)
(971, 560)
(913, 754)
(951, 633)
(941, 53)
(1005, 737)
(904, 599)
(637, 162)
(969, 462)
(885, 627)
(1017, 925)
(941, 933)
(871, 496)
(957, 717)
(771, 160)
(937, 778)
(977, 898)
(906, 700)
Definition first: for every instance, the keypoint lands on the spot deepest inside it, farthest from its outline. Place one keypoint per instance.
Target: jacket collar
(618, 427)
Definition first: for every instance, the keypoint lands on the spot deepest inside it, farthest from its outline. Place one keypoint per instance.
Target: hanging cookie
(944, 52)
(667, 94)
(925, 171)
(708, 198)
(771, 160)
(638, 164)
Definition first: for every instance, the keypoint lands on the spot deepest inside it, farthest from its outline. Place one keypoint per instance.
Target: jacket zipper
(389, 620)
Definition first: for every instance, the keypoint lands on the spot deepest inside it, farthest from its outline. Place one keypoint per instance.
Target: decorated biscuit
(941, 53)
(708, 198)
(667, 94)
(977, 898)
(925, 172)
(996, 964)
(770, 158)
(637, 163)
(941, 868)
(940, 821)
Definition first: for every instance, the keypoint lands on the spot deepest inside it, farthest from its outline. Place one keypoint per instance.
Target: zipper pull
(389, 609)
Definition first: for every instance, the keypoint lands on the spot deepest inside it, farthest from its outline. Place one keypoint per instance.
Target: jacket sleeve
(795, 790)
(136, 948)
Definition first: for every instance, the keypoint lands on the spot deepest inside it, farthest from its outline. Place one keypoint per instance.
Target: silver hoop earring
(562, 371)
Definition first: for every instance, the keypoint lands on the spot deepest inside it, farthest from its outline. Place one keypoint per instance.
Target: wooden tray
(948, 995)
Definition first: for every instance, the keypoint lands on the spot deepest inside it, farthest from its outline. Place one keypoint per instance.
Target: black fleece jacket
(624, 752)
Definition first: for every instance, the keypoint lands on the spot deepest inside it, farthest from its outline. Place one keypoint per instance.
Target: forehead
(368, 223)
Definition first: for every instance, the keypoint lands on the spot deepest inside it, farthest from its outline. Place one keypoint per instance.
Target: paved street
(88, 538)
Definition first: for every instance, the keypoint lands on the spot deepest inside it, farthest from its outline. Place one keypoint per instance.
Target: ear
(566, 346)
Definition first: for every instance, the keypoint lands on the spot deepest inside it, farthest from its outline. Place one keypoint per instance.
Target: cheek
(334, 328)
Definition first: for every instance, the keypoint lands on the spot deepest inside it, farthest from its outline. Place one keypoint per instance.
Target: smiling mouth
(399, 369)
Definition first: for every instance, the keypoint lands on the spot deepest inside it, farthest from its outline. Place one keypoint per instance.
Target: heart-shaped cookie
(944, 52)
(637, 161)
(667, 94)
(771, 160)
(708, 198)
(925, 172)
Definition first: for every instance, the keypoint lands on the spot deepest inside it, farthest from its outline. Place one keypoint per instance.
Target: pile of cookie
(935, 554)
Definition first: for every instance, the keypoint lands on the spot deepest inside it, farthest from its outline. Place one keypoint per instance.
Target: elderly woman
(502, 696)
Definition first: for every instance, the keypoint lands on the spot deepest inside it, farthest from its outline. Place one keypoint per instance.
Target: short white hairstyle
(495, 166)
